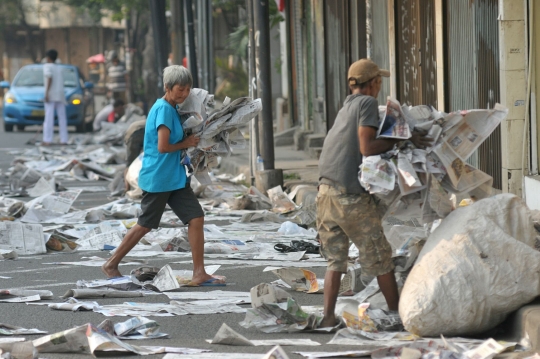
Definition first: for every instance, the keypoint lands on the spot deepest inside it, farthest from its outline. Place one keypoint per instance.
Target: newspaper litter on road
(227, 336)
(250, 237)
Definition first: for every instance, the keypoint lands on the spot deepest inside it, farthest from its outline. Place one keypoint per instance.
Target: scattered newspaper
(168, 279)
(6, 329)
(101, 293)
(87, 339)
(280, 201)
(74, 305)
(22, 238)
(227, 336)
(138, 328)
(276, 353)
(299, 279)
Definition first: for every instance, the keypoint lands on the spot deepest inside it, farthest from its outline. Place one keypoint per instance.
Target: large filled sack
(476, 267)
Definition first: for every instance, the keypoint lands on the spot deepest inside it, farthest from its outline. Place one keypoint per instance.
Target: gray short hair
(176, 75)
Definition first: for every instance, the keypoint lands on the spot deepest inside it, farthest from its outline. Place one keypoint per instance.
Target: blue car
(23, 103)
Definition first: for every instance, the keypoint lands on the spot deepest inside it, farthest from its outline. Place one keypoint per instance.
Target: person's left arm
(165, 147)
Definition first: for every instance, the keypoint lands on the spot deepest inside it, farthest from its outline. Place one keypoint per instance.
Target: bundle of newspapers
(217, 129)
(435, 172)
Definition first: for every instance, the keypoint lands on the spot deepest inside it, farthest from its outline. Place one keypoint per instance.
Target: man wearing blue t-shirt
(163, 178)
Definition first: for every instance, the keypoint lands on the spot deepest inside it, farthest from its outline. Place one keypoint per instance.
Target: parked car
(23, 103)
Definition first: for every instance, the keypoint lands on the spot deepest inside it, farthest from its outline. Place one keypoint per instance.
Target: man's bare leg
(388, 285)
(196, 241)
(110, 268)
(332, 280)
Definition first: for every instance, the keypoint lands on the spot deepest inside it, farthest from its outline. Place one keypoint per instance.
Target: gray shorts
(183, 202)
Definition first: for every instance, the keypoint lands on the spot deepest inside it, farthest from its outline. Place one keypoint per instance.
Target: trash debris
(136, 328)
(74, 305)
(275, 311)
(280, 201)
(299, 279)
(276, 353)
(21, 238)
(6, 329)
(23, 295)
(227, 336)
(87, 339)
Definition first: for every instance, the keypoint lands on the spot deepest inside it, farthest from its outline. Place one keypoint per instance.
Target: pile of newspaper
(217, 129)
(430, 175)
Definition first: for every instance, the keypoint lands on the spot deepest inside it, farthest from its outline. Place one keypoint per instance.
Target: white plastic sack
(132, 177)
(475, 268)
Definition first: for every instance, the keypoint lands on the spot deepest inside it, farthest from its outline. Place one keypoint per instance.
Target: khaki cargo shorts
(354, 217)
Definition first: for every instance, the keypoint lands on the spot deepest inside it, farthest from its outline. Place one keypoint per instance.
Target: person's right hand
(191, 141)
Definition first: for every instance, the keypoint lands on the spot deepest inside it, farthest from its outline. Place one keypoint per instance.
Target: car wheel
(8, 128)
(20, 128)
(80, 128)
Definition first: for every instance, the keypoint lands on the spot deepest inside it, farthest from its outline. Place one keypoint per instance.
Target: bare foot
(198, 279)
(110, 271)
(328, 322)
(45, 143)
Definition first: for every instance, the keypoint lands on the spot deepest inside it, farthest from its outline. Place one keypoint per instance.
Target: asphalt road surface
(33, 272)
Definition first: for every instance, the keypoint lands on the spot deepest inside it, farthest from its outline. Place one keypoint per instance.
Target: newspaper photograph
(394, 124)
(474, 129)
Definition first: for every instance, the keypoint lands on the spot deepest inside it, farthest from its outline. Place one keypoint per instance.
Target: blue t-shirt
(162, 172)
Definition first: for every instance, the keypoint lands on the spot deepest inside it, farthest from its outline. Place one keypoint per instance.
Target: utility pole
(191, 41)
(262, 14)
(159, 27)
(178, 31)
(254, 125)
(269, 177)
(210, 43)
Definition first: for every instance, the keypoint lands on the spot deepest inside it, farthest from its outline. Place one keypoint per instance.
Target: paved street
(185, 331)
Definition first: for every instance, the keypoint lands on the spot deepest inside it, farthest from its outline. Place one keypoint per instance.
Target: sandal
(283, 248)
(306, 246)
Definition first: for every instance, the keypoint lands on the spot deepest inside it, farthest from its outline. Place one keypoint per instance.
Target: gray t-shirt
(341, 157)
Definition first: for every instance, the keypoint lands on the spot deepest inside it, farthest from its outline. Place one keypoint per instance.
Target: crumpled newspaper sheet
(23, 295)
(87, 339)
(136, 328)
(275, 311)
(6, 329)
(227, 336)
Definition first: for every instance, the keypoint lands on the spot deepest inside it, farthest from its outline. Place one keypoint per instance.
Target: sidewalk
(298, 169)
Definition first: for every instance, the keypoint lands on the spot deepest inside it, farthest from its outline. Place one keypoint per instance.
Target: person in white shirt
(55, 100)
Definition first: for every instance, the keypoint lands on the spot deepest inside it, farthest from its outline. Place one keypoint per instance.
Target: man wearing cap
(345, 210)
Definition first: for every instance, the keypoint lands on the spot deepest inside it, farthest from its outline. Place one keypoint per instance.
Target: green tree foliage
(119, 8)
(239, 38)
